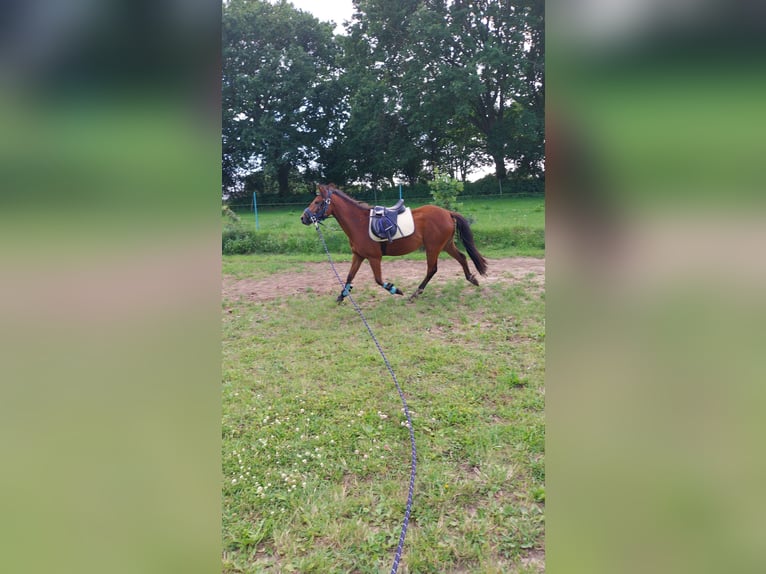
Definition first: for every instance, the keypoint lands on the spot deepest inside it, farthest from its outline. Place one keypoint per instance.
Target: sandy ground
(406, 274)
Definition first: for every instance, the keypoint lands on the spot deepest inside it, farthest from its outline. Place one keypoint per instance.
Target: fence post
(255, 210)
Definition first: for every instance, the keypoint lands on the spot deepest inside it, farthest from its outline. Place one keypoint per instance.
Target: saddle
(385, 222)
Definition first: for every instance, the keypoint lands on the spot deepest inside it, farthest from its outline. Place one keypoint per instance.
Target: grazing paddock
(315, 449)
(502, 226)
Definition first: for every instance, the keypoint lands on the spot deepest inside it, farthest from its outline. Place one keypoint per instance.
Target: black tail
(466, 237)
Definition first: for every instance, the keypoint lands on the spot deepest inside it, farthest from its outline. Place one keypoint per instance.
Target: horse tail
(466, 237)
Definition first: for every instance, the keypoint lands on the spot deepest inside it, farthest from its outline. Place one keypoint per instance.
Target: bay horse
(434, 229)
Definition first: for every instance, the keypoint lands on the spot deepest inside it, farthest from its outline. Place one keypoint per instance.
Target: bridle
(321, 213)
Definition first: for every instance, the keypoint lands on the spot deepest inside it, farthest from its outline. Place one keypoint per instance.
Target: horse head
(320, 208)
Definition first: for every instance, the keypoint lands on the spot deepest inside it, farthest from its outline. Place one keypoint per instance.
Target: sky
(336, 10)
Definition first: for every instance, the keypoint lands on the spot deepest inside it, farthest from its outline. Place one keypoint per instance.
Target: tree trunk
(500, 171)
(283, 179)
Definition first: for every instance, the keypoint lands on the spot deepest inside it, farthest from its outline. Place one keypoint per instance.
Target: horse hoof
(473, 280)
(339, 300)
(415, 294)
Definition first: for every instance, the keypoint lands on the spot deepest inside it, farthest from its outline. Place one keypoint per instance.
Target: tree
(415, 86)
(481, 61)
(381, 141)
(279, 92)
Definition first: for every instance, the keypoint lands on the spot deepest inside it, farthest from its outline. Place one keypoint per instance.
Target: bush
(514, 237)
(238, 240)
(227, 212)
(445, 190)
(512, 186)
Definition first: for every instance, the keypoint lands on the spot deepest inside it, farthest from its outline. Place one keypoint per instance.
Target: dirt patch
(535, 559)
(407, 274)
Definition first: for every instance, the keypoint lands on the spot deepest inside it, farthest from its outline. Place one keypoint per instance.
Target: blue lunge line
(413, 465)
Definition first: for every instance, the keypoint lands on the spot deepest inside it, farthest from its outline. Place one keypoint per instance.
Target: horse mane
(344, 195)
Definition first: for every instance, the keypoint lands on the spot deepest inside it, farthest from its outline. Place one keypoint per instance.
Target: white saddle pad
(404, 222)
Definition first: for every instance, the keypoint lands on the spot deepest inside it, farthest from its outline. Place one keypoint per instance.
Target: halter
(321, 214)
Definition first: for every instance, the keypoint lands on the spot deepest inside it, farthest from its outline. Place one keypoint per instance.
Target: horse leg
(432, 258)
(462, 259)
(390, 287)
(356, 262)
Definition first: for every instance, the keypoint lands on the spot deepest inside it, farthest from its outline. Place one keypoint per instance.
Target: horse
(434, 230)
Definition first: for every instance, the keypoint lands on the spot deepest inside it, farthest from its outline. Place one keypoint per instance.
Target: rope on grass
(413, 464)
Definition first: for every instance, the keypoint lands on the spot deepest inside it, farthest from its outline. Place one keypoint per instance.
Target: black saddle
(384, 219)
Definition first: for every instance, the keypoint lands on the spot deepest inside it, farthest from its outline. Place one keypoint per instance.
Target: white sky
(325, 10)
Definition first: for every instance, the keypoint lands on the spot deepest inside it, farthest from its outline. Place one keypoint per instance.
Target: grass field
(315, 451)
(486, 212)
(502, 227)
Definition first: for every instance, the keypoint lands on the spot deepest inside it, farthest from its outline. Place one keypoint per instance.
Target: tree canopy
(415, 86)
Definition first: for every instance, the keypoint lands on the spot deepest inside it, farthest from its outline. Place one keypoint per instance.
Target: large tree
(416, 84)
(279, 88)
(487, 59)
(382, 141)
(462, 70)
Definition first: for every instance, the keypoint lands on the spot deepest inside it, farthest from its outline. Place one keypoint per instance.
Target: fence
(301, 201)
(485, 188)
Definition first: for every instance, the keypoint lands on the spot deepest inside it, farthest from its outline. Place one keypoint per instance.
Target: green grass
(486, 212)
(502, 227)
(260, 266)
(316, 454)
